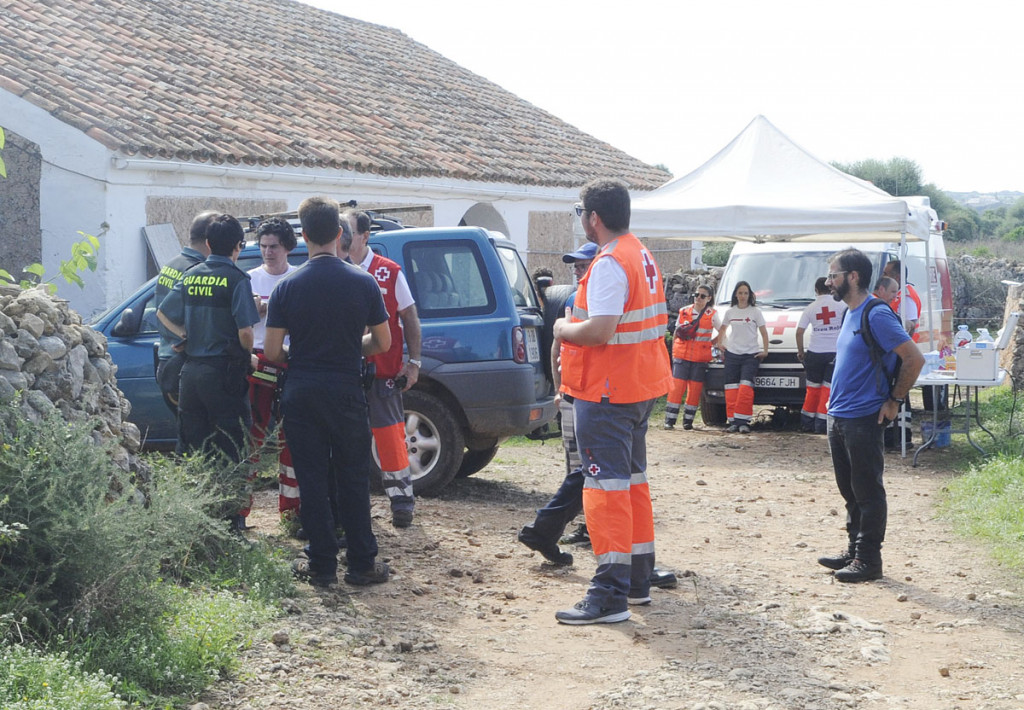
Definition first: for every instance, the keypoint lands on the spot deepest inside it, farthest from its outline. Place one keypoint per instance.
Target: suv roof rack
(380, 221)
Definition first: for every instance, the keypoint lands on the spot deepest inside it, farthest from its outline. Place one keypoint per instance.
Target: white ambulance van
(782, 276)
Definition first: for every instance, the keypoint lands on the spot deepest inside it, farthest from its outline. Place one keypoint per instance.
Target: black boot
(859, 571)
(548, 548)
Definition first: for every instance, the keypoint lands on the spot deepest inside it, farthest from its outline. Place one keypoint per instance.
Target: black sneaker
(664, 580)
(528, 536)
(733, 428)
(586, 613)
(579, 536)
(302, 570)
(688, 426)
(836, 562)
(401, 518)
(858, 571)
(668, 426)
(378, 574)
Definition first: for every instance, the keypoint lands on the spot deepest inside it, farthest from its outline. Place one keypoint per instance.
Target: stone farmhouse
(124, 118)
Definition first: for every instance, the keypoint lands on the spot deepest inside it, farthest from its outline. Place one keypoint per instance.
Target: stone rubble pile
(59, 364)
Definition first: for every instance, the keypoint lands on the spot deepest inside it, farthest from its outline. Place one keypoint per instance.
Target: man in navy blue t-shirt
(325, 308)
(860, 404)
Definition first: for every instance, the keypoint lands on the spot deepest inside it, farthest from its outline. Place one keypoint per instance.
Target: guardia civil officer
(212, 309)
(171, 273)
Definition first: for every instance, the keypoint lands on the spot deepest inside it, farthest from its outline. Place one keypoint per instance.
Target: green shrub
(716, 253)
(93, 544)
(34, 681)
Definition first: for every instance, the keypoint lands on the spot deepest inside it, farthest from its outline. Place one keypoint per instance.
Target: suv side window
(149, 320)
(447, 278)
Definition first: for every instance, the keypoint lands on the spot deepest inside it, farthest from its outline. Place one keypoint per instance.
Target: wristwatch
(897, 400)
(417, 363)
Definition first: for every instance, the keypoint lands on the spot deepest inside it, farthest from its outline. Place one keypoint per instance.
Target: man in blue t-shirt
(325, 308)
(860, 404)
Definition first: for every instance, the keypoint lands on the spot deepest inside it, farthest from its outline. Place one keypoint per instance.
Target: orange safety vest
(912, 292)
(698, 349)
(633, 366)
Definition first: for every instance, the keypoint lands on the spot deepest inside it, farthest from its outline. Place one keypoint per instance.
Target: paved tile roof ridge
(277, 82)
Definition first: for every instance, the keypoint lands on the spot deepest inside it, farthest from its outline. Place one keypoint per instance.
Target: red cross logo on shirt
(650, 271)
(594, 469)
(780, 325)
(826, 315)
(382, 274)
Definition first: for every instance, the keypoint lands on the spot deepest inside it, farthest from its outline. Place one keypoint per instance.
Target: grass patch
(195, 643)
(987, 503)
(30, 680)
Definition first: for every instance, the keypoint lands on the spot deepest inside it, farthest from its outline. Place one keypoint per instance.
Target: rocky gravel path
(755, 624)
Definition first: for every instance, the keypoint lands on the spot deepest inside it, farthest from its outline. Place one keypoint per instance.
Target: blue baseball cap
(585, 253)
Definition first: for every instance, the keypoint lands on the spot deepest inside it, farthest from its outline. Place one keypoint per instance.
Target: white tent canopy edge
(764, 187)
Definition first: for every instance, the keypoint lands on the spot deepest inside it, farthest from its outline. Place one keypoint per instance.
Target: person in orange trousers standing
(741, 325)
(691, 353)
(824, 316)
(615, 365)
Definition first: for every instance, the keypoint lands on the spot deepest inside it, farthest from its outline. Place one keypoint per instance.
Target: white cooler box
(977, 363)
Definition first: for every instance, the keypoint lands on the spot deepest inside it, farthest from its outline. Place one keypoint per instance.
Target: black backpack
(883, 376)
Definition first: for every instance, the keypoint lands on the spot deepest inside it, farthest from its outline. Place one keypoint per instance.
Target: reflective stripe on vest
(633, 366)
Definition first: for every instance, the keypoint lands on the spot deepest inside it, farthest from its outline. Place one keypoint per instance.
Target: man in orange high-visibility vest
(615, 365)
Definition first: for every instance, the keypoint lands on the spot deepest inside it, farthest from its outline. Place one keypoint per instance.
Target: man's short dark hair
(362, 220)
(280, 228)
(224, 234)
(610, 200)
(820, 286)
(197, 230)
(894, 266)
(321, 219)
(854, 260)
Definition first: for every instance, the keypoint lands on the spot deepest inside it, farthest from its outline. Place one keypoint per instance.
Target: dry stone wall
(51, 362)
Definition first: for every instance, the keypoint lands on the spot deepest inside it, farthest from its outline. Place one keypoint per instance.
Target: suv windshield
(518, 278)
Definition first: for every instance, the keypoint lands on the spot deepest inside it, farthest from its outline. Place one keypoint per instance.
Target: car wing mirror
(128, 323)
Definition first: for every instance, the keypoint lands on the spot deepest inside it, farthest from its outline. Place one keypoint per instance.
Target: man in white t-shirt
(276, 239)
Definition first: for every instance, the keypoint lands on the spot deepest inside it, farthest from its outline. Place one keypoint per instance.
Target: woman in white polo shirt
(741, 325)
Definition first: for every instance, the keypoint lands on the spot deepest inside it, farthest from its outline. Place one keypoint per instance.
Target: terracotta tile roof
(278, 82)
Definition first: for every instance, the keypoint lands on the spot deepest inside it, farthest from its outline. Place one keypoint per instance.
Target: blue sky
(672, 83)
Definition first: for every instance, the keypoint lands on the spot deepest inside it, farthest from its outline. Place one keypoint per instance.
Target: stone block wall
(51, 362)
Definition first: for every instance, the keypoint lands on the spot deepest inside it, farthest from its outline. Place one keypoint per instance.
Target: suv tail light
(518, 344)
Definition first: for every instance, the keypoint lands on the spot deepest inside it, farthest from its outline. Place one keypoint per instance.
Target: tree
(897, 176)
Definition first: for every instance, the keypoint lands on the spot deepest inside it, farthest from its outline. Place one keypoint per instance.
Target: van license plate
(777, 381)
(532, 346)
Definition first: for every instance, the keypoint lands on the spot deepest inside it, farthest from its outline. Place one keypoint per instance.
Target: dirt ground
(468, 618)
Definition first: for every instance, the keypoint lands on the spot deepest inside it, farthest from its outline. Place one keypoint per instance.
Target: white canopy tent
(763, 186)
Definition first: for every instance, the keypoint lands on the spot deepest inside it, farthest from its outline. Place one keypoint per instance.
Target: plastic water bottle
(984, 339)
(963, 337)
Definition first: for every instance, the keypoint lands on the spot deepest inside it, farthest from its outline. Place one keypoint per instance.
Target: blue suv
(483, 377)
